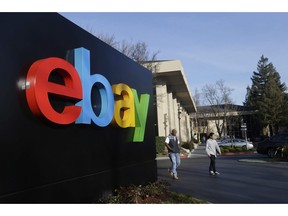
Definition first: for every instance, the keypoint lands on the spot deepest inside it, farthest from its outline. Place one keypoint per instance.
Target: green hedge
(235, 149)
(188, 145)
(160, 144)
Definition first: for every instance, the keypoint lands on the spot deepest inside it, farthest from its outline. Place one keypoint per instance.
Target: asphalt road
(243, 179)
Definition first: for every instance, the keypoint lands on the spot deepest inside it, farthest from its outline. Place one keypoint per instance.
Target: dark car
(272, 145)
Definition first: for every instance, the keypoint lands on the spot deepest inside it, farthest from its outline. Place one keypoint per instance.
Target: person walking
(212, 148)
(173, 145)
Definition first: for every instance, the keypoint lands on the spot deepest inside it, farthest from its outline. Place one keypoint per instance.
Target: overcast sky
(211, 46)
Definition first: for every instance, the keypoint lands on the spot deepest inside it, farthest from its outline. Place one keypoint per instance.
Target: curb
(166, 158)
(184, 156)
(261, 161)
(239, 153)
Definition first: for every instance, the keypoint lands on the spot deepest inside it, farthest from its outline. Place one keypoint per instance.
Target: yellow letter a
(124, 109)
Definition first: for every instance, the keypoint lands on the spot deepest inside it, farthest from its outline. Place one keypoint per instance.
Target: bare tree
(197, 97)
(109, 39)
(218, 96)
(138, 51)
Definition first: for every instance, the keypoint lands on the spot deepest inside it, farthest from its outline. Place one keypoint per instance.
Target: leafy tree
(267, 96)
(284, 120)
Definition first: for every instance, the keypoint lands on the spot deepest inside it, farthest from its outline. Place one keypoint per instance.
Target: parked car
(271, 145)
(236, 142)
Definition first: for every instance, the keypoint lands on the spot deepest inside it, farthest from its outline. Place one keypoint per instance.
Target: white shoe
(217, 173)
(175, 177)
(212, 173)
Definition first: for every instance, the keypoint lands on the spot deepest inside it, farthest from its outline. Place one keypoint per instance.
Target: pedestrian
(173, 145)
(203, 140)
(212, 148)
(195, 138)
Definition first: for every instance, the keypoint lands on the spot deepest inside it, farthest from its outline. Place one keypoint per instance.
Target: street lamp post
(244, 128)
(179, 118)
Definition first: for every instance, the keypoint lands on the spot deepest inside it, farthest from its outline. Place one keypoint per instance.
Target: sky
(210, 45)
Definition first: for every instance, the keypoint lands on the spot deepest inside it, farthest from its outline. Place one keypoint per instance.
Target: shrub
(230, 148)
(225, 150)
(285, 152)
(244, 148)
(188, 145)
(160, 144)
(238, 149)
(150, 193)
(155, 192)
(235, 149)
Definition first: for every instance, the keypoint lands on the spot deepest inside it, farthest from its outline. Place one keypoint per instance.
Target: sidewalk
(199, 152)
(195, 153)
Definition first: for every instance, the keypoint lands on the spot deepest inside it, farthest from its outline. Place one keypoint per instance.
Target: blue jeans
(175, 162)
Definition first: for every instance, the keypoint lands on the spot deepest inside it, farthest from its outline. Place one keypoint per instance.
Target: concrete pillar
(162, 111)
(188, 127)
(185, 127)
(175, 114)
(170, 111)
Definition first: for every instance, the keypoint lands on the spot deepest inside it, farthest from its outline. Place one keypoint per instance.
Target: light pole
(244, 128)
(179, 118)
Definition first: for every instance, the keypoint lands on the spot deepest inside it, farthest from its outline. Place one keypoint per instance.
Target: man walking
(173, 145)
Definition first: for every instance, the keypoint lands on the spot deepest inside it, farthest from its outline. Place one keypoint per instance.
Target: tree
(197, 97)
(267, 96)
(107, 38)
(218, 96)
(138, 51)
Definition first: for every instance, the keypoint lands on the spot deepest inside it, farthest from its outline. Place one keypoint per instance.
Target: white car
(235, 143)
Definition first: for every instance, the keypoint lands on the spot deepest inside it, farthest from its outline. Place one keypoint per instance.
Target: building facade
(173, 100)
(223, 120)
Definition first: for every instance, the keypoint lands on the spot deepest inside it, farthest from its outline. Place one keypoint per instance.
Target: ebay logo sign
(117, 104)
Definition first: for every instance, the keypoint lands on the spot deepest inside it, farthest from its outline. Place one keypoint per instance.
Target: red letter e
(38, 93)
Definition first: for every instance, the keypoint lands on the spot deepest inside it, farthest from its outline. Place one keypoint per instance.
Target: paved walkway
(196, 153)
(242, 179)
(199, 152)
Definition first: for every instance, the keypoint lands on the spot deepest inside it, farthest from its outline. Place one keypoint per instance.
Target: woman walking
(212, 148)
